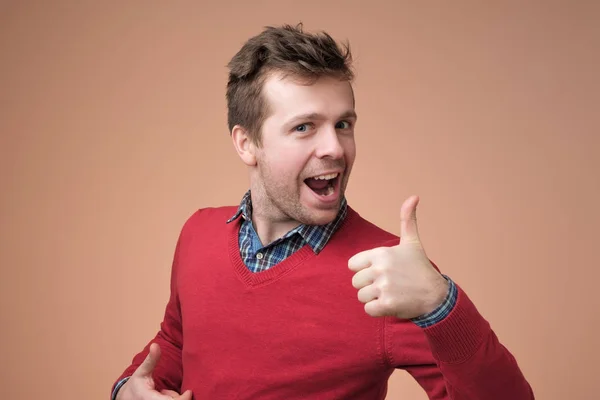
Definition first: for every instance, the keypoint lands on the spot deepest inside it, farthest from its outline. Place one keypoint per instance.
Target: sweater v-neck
(255, 279)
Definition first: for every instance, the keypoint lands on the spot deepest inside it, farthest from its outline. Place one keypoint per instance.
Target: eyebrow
(316, 116)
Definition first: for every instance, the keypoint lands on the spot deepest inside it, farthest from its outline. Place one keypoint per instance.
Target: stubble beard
(283, 202)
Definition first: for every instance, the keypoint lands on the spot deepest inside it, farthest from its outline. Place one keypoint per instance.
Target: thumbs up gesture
(140, 385)
(400, 280)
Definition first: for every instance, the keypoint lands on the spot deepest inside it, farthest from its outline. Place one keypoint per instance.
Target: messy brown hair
(287, 50)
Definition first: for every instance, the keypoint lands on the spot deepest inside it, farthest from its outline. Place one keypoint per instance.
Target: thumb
(146, 367)
(409, 231)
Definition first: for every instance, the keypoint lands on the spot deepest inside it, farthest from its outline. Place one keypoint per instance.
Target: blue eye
(302, 128)
(342, 125)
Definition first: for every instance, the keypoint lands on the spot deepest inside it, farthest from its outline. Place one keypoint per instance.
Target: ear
(243, 145)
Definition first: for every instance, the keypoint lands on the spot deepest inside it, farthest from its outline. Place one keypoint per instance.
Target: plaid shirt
(260, 258)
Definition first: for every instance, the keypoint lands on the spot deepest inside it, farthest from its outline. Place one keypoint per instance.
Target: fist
(400, 280)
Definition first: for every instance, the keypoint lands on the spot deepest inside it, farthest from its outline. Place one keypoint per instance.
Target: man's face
(307, 148)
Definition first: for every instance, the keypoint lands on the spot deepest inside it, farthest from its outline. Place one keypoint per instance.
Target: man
(292, 294)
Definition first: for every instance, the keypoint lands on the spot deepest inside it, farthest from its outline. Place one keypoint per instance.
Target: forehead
(288, 97)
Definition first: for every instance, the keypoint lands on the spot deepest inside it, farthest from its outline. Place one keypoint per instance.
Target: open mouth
(323, 185)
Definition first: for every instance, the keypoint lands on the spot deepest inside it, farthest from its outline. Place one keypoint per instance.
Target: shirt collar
(244, 209)
(316, 236)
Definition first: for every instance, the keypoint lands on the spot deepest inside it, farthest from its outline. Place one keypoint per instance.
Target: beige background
(113, 131)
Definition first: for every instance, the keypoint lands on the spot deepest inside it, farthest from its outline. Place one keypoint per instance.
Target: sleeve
(169, 370)
(442, 310)
(458, 358)
(117, 387)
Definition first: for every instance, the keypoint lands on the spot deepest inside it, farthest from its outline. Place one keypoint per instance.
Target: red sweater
(298, 331)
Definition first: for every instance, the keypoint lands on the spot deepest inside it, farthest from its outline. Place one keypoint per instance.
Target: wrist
(437, 295)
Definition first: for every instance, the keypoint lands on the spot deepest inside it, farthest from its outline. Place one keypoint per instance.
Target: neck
(269, 222)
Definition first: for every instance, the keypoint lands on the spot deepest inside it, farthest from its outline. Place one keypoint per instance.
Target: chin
(314, 216)
(322, 220)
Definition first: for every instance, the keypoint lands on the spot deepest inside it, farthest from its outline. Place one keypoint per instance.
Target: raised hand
(399, 280)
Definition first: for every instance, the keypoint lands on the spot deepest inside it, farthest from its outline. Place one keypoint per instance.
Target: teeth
(326, 177)
(329, 190)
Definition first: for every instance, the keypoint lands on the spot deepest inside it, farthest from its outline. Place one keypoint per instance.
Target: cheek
(290, 158)
(286, 164)
(349, 149)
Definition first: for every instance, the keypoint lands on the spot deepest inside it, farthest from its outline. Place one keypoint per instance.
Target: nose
(329, 145)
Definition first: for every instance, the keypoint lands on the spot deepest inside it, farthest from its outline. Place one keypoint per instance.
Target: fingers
(375, 309)
(368, 293)
(146, 367)
(360, 261)
(154, 395)
(187, 395)
(363, 278)
(408, 220)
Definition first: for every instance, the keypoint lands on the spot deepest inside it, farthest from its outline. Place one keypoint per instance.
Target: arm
(458, 357)
(167, 374)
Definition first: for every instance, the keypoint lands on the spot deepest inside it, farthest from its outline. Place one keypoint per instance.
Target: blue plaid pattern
(316, 237)
(442, 310)
(260, 258)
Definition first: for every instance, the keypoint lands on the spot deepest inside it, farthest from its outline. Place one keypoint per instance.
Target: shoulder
(205, 217)
(360, 233)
